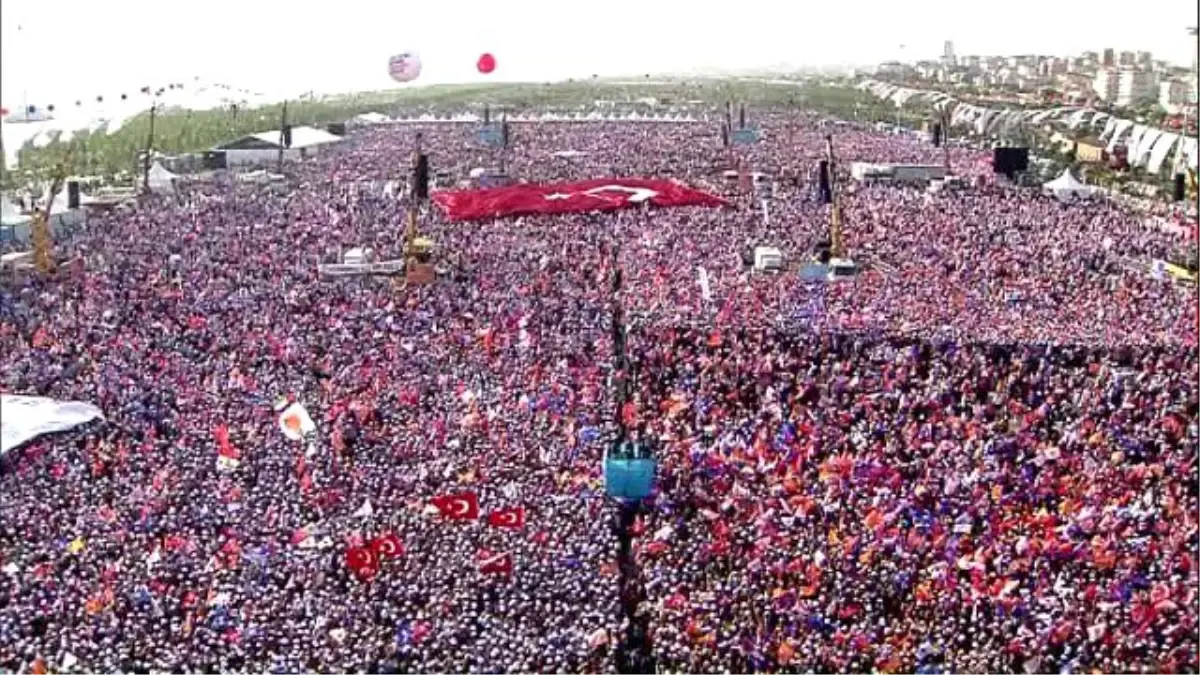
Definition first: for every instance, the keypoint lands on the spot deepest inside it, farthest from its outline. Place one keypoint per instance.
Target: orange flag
(786, 653)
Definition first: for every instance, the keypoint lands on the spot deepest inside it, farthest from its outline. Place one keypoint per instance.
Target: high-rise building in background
(1135, 86)
(1145, 60)
(948, 53)
(1126, 59)
(1174, 95)
(1108, 59)
(1105, 83)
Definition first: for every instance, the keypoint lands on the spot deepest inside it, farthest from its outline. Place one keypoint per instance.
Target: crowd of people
(979, 455)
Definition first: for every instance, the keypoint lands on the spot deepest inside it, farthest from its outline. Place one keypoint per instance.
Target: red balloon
(486, 64)
(3, 112)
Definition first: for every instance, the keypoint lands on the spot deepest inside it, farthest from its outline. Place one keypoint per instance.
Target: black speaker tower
(73, 194)
(421, 178)
(823, 178)
(1179, 178)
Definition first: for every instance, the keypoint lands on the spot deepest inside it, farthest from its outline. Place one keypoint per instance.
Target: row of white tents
(1147, 147)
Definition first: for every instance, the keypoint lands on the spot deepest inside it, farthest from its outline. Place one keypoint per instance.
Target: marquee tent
(161, 180)
(1067, 187)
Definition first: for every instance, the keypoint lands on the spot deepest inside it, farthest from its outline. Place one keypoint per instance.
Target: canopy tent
(372, 118)
(161, 180)
(10, 215)
(1067, 186)
(61, 201)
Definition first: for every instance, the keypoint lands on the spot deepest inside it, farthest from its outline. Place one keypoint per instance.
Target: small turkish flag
(387, 545)
(460, 506)
(362, 561)
(495, 563)
(511, 518)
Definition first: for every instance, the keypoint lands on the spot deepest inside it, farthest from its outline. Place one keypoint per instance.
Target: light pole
(149, 149)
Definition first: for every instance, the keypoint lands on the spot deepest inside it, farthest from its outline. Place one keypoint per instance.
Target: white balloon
(405, 67)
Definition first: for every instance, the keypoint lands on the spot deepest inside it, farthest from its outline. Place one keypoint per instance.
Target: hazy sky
(56, 51)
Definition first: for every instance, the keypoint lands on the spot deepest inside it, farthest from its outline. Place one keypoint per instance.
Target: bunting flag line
(1146, 147)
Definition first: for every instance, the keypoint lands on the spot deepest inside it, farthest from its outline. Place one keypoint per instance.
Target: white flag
(295, 422)
(705, 289)
(365, 511)
(24, 418)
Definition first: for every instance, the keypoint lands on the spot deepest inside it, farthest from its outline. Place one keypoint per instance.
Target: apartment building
(1125, 86)
(1174, 94)
(1105, 83)
(1135, 86)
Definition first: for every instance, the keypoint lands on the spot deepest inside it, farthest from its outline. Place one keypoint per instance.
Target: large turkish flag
(605, 194)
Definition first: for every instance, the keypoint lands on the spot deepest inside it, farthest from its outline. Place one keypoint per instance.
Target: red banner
(605, 194)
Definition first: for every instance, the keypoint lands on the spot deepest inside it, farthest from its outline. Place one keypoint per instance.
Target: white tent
(372, 118)
(10, 215)
(1067, 187)
(161, 180)
(61, 201)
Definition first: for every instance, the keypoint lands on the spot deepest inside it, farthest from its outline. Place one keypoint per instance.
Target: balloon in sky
(486, 63)
(404, 67)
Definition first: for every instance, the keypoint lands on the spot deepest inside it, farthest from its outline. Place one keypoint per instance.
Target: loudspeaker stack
(421, 178)
(823, 177)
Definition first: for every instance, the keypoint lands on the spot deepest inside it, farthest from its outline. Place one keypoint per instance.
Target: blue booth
(629, 471)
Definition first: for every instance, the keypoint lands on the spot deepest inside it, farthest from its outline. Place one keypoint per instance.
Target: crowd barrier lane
(386, 268)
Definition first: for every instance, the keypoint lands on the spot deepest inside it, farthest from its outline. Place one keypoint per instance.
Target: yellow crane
(835, 211)
(417, 249)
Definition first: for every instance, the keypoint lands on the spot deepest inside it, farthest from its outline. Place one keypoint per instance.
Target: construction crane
(417, 249)
(43, 240)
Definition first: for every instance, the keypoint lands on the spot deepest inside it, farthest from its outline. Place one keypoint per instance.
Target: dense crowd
(979, 455)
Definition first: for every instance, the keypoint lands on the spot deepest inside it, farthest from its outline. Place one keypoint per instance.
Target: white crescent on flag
(460, 506)
(637, 195)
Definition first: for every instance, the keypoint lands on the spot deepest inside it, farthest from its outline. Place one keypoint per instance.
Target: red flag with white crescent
(606, 194)
(387, 545)
(513, 518)
(458, 506)
(362, 561)
(495, 563)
